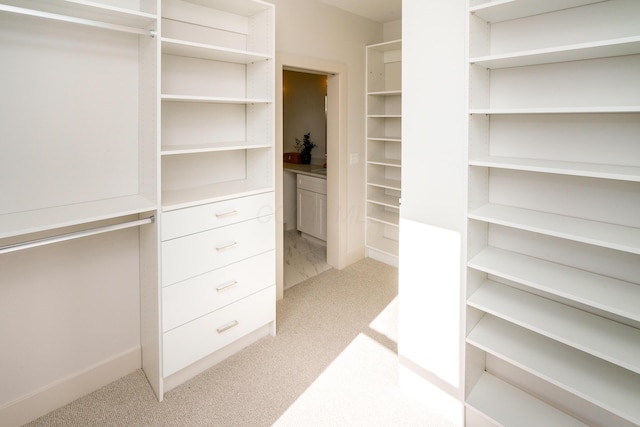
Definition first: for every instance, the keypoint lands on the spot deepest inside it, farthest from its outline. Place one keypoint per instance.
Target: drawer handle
(228, 326)
(227, 246)
(226, 214)
(226, 286)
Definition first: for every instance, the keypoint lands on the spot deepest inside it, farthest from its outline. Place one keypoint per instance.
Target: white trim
(53, 396)
(336, 159)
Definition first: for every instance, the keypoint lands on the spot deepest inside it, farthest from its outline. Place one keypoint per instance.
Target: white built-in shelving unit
(82, 143)
(217, 225)
(79, 120)
(553, 234)
(383, 183)
(148, 114)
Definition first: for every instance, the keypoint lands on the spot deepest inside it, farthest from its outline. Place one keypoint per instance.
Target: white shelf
(505, 10)
(92, 14)
(593, 170)
(385, 162)
(384, 217)
(215, 53)
(385, 200)
(178, 199)
(611, 236)
(386, 46)
(608, 340)
(605, 293)
(20, 223)
(208, 148)
(391, 184)
(505, 405)
(558, 110)
(386, 246)
(236, 7)
(601, 383)
(575, 52)
(384, 116)
(385, 93)
(214, 99)
(385, 138)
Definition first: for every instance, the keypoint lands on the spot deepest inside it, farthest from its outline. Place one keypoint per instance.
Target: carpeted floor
(332, 363)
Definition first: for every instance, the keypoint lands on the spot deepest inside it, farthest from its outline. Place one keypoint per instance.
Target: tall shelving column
(384, 113)
(553, 321)
(79, 165)
(217, 263)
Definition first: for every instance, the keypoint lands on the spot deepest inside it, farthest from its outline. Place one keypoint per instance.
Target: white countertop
(305, 169)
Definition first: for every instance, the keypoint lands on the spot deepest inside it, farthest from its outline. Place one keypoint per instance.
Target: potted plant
(304, 147)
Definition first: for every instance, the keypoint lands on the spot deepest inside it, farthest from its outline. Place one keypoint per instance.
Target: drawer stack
(218, 276)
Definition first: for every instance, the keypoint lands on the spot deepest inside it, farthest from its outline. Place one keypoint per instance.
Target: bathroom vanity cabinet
(311, 196)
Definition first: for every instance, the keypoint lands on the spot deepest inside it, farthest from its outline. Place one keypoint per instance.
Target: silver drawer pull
(228, 326)
(227, 246)
(226, 214)
(226, 286)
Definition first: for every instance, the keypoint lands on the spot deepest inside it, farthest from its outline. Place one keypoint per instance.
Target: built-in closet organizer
(383, 147)
(553, 317)
(217, 183)
(78, 188)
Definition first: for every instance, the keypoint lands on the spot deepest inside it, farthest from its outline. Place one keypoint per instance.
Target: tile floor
(302, 259)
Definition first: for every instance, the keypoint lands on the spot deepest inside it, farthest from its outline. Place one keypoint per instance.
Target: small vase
(305, 158)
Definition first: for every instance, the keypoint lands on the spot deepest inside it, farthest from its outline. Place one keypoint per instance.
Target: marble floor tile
(302, 259)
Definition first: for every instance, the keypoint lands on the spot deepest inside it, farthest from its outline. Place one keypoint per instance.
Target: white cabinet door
(307, 212)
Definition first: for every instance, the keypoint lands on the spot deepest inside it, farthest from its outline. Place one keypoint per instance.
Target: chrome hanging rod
(74, 20)
(74, 235)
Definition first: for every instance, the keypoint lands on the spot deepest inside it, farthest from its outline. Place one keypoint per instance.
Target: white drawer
(190, 299)
(201, 337)
(199, 253)
(311, 183)
(186, 221)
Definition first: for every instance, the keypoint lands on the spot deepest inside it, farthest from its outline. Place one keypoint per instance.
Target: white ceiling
(376, 10)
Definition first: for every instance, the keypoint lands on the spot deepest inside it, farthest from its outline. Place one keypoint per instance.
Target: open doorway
(336, 242)
(304, 185)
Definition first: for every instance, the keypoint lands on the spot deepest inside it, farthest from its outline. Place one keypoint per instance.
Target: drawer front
(200, 253)
(186, 221)
(195, 297)
(201, 337)
(311, 183)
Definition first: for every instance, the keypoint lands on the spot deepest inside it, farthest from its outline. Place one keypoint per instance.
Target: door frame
(336, 158)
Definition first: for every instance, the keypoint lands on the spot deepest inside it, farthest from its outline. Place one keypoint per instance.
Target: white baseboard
(419, 386)
(64, 391)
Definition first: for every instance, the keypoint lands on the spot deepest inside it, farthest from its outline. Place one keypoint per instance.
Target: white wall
(392, 30)
(434, 198)
(65, 309)
(310, 29)
(303, 99)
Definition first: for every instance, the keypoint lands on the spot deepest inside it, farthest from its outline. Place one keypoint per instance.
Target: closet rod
(75, 235)
(74, 20)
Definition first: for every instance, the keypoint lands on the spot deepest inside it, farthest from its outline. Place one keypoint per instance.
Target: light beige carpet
(332, 363)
